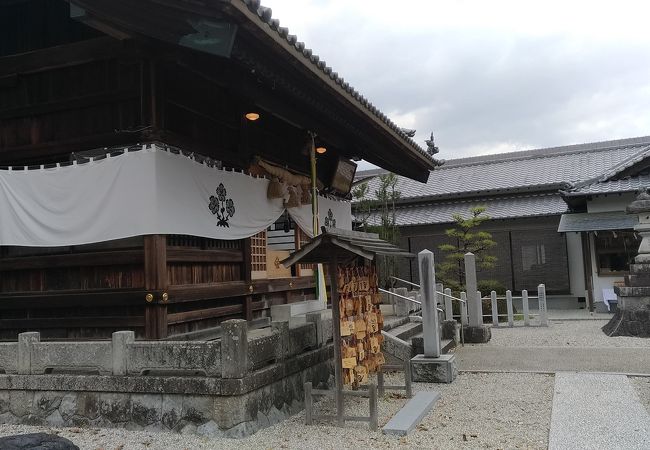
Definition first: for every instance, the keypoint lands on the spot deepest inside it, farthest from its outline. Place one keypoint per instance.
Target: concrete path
(592, 411)
(553, 359)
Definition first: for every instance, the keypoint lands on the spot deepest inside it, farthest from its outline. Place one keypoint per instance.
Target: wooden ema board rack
(361, 323)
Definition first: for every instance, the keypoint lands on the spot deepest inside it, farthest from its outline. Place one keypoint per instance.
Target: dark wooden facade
(109, 79)
(529, 251)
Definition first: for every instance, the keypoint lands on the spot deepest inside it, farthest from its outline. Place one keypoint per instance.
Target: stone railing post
(541, 298)
(120, 341)
(282, 349)
(463, 309)
(524, 305)
(317, 320)
(234, 348)
(449, 306)
(25, 342)
(495, 309)
(511, 317)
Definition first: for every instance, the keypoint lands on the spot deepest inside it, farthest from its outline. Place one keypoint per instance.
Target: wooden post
(155, 279)
(374, 419)
(336, 326)
(247, 270)
(309, 404)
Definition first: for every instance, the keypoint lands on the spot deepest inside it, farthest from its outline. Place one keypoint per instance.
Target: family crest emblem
(223, 208)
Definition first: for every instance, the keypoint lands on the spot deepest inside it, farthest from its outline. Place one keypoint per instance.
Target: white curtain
(150, 191)
(331, 214)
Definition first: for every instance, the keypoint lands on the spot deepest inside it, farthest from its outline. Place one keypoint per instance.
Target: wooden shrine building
(139, 145)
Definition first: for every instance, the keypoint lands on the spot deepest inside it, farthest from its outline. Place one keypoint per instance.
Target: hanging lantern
(294, 198)
(275, 190)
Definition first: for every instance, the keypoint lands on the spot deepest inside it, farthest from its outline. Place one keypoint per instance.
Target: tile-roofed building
(525, 194)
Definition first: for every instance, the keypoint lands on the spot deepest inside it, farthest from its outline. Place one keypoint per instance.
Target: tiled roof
(631, 184)
(496, 208)
(266, 16)
(612, 220)
(530, 170)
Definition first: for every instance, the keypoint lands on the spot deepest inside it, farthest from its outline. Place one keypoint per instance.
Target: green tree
(387, 194)
(451, 271)
(363, 205)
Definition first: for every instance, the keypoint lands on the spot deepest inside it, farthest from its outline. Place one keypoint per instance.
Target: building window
(532, 256)
(615, 251)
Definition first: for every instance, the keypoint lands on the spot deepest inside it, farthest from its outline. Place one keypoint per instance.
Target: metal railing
(404, 298)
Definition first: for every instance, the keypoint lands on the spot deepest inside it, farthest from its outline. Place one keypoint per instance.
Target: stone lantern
(633, 315)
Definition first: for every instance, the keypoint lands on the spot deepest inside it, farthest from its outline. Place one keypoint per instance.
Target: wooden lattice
(258, 255)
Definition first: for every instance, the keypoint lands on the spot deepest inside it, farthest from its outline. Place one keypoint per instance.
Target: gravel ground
(642, 387)
(476, 411)
(573, 333)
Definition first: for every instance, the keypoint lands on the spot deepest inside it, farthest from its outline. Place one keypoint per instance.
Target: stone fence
(246, 380)
(243, 350)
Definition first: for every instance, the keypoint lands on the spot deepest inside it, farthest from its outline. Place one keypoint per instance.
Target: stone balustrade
(244, 351)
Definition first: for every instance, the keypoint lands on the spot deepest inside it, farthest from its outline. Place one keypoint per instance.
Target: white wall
(576, 264)
(613, 202)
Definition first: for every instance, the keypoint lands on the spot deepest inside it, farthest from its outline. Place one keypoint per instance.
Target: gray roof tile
(631, 184)
(519, 171)
(496, 208)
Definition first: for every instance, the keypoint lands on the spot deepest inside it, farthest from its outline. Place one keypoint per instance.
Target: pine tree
(451, 271)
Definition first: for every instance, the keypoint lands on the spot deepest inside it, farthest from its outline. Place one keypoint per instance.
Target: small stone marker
(412, 413)
(474, 303)
(449, 309)
(541, 298)
(430, 328)
(463, 309)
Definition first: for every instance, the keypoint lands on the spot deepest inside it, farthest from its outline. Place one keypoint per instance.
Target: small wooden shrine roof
(343, 244)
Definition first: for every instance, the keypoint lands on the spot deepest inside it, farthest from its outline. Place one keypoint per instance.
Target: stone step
(637, 280)
(417, 344)
(412, 413)
(407, 331)
(640, 268)
(295, 313)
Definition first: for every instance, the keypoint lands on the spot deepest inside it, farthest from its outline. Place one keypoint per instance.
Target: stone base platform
(477, 335)
(434, 370)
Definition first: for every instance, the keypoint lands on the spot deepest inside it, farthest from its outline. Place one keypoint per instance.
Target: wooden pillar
(247, 270)
(155, 281)
(336, 327)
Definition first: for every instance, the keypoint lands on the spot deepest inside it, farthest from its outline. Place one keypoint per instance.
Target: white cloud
(489, 76)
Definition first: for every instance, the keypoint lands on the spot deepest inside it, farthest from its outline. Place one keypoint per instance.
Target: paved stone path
(595, 411)
(553, 359)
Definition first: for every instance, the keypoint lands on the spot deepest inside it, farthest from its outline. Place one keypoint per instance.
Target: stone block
(45, 402)
(317, 321)
(477, 335)
(119, 351)
(449, 329)
(172, 411)
(115, 407)
(234, 348)
(209, 429)
(20, 402)
(146, 409)
(25, 342)
(434, 370)
(199, 409)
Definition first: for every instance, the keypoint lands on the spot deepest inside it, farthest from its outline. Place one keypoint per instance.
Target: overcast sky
(489, 76)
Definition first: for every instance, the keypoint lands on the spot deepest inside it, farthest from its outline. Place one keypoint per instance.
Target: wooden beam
(202, 314)
(111, 258)
(73, 322)
(71, 299)
(63, 56)
(205, 256)
(118, 95)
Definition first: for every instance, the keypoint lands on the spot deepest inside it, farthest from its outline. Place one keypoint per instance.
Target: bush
(487, 286)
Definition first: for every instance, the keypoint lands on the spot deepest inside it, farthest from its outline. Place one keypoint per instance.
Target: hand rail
(404, 281)
(451, 297)
(399, 296)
